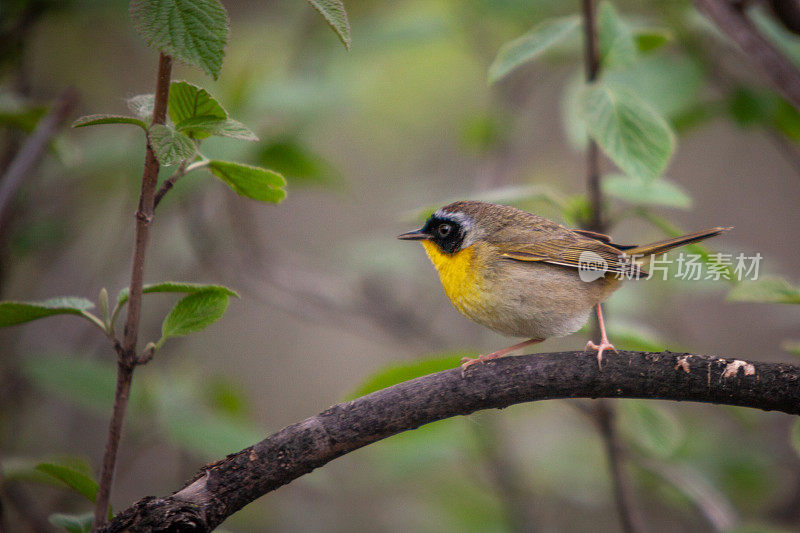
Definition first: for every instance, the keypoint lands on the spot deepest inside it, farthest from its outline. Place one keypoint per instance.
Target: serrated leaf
(771, 290)
(334, 13)
(142, 105)
(194, 313)
(175, 286)
(633, 135)
(617, 46)
(171, 147)
(93, 120)
(651, 427)
(13, 313)
(397, 373)
(649, 39)
(79, 481)
(661, 192)
(187, 101)
(201, 127)
(194, 31)
(73, 523)
(531, 45)
(253, 182)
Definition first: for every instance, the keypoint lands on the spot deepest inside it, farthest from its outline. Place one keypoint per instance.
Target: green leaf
(397, 373)
(294, 160)
(88, 383)
(188, 101)
(171, 147)
(636, 138)
(194, 313)
(334, 13)
(634, 337)
(79, 481)
(194, 31)
(81, 523)
(93, 120)
(768, 290)
(661, 192)
(794, 436)
(201, 127)
(19, 113)
(532, 45)
(617, 46)
(192, 427)
(651, 427)
(13, 313)
(253, 182)
(142, 105)
(649, 39)
(174, 286)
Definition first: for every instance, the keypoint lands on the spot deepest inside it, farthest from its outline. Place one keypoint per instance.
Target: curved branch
(731, 19)
(222, 488)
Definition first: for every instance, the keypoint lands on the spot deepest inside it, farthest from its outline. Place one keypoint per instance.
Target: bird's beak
(417, 235)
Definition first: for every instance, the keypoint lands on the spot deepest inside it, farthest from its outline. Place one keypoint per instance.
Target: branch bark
(222, 488)
(126, 351)
(775, 65)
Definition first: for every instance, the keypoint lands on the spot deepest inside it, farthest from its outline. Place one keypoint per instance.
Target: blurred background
(367, 138)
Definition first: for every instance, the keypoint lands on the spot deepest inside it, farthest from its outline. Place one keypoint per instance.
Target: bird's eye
(444, 230)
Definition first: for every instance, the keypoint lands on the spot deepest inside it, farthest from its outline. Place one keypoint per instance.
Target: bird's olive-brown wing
(576, 251)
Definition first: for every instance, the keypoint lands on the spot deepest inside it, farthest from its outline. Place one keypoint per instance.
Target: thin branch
(32, 150)
(592, 63)
(222, 488)
(630, 518)
(127, 354)
(169, 183)
(604, 413)
(763, 54)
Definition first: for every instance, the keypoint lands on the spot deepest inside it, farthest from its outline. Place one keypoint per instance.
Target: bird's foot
(467, 362)
(603, 346)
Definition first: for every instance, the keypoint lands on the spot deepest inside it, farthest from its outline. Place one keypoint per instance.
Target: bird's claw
(467, 362)
(603, 346)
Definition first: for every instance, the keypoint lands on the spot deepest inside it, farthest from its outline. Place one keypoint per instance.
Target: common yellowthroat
(525, 276)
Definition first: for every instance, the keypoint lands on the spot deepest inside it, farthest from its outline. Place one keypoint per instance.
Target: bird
(523, 275)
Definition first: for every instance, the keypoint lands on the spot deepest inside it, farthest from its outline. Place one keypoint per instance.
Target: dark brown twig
(127, 354)
(763, 54)
(604, 413)
(224, 487)
(32, 150)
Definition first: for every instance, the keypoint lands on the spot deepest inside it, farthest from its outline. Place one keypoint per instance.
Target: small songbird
(525, 276)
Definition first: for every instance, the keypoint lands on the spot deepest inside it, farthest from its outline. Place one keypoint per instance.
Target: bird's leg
(466, 362)
(604, 344)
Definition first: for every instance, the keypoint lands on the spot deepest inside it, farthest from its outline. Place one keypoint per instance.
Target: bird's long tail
(668, 244)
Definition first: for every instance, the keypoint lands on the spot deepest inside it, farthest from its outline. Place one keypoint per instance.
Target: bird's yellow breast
(460, 277)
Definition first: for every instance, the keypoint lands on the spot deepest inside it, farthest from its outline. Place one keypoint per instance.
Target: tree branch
(126, 356)
(762, 53)
(31, 152)
(222, 488)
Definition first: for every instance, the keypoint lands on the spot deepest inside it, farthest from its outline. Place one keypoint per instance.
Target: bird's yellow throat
(459, 276)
